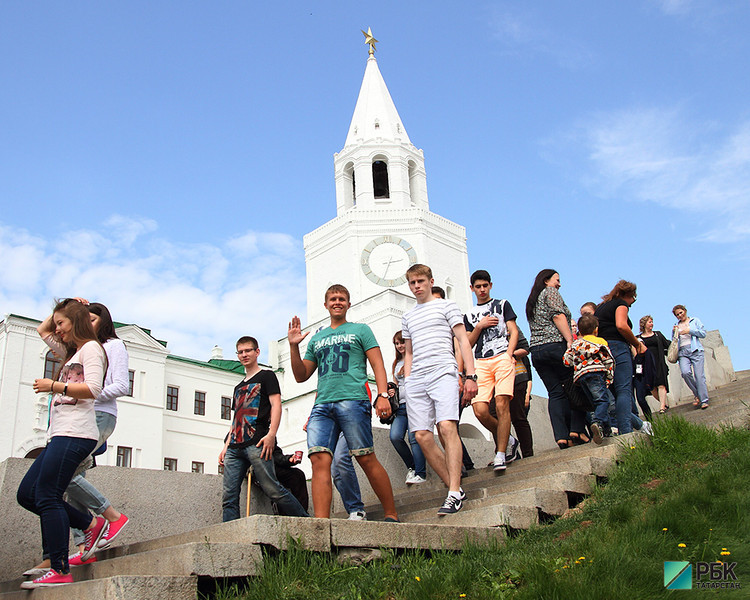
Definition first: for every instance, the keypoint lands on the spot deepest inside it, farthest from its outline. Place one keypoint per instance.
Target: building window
(172, 394)
(200, 403)
(226, 408)
(131, 382)
(124, 456)
(170, 464)
(51, 364)
(380, 179)
(197, 467)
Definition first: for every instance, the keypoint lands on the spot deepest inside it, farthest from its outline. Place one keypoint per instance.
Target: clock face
(386, 259)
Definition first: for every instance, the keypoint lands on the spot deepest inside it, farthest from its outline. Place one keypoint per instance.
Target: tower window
(380, 179)
(51, 363)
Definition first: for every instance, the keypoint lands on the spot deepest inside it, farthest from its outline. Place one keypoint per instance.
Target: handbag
(577, 398)
(673, 352)
(394, 404)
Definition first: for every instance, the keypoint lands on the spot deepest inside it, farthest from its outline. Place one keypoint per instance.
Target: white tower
(383, 225)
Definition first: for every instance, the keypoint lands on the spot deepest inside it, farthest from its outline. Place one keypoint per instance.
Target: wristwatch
(472, 377)
(383, 395)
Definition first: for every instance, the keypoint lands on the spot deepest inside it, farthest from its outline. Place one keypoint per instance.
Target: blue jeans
(594, 386)
(548, 362)
(41, 492)
(410, 453)
(623, 385)
(81, 493)
(692, 368)
(353, 418)
(345, 477)
(236, 463)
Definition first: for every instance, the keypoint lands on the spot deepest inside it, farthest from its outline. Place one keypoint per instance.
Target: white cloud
(192, 295)
(660, 155)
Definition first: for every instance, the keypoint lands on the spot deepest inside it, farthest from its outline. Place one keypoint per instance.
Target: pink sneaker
(112, 532)
(92, 538)
(49, 579)
(74, 560)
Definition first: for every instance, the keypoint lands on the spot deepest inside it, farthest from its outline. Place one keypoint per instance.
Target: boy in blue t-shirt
(339, 353)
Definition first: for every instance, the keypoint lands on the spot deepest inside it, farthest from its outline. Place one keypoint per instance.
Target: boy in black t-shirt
(252, 436)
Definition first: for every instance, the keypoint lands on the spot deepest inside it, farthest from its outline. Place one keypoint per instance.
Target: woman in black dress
(657, 345)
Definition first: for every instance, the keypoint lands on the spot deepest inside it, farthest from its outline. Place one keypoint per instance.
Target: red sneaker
(74, 560)
(93, 536)
(49, 579)
(115, 527)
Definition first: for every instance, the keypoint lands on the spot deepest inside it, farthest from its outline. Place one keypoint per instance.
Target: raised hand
(294, 334)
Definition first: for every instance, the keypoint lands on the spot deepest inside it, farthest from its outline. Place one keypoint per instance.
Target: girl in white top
(81, 494)
(72, 435)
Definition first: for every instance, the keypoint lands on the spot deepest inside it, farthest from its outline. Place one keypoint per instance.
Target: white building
(175, 417)
(383, 225)
(178, 412)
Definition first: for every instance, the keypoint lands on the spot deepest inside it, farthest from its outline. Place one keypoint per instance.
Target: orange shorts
(495, 377)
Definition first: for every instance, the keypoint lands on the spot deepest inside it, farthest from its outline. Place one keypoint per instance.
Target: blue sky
(166, 158)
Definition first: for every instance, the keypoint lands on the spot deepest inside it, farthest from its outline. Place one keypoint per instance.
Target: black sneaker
(461, 494)
(450, 506)
(513, 452)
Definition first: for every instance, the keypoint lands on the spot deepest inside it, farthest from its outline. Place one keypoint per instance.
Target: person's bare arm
(302, 369)
(408, 356)
(470, 387)
(563, 326)
(621, 322)
(512, 338)
(382, 405)
(268, 441)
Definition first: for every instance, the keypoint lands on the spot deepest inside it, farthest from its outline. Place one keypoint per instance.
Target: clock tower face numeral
(386, 259)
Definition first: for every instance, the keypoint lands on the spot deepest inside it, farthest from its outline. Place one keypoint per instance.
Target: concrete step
(114, 588)
(585, 460)
(202, 559)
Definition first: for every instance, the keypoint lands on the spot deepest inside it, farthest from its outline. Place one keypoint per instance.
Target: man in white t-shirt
(431, 379)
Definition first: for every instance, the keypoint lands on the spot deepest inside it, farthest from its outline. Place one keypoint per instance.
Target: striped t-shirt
(429, 326)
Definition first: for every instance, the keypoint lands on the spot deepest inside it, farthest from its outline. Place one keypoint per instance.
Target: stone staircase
(531, 491)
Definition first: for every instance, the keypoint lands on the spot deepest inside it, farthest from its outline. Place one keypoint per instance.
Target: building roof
(375, 115)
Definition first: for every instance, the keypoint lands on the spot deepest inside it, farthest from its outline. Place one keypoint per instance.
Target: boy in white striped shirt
(431, 379)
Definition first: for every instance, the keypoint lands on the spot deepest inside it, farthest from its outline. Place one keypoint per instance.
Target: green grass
(691, 487)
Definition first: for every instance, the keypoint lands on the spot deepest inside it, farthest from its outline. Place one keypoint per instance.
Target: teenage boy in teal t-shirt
(339, 353)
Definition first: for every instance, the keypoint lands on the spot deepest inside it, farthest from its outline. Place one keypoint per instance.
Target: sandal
(696, 402)
(663, 411)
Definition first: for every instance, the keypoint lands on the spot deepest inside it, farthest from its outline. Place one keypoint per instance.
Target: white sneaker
(358, 515)
(410, 474)
(499, 464)
(418, 479)
(647, 429)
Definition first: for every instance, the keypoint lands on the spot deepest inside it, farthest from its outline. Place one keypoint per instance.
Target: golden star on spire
(369, 39)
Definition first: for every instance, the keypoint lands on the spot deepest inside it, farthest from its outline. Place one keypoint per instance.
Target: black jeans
(548, 362)
(41, 492)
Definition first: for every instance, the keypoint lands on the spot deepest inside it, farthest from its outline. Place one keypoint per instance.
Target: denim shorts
(352, 417)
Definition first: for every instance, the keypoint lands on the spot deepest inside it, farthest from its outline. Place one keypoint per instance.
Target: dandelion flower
(462, 595)
(681, 545)
(566, 567)
(581, 558)
(417, 578)
(723, 548)
(632, 447)
(664, 529)
(725, 553)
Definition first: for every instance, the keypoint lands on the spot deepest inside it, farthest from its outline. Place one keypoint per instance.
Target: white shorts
(431, 397)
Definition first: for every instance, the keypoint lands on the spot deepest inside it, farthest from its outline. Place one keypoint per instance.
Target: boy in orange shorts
(492, 330)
